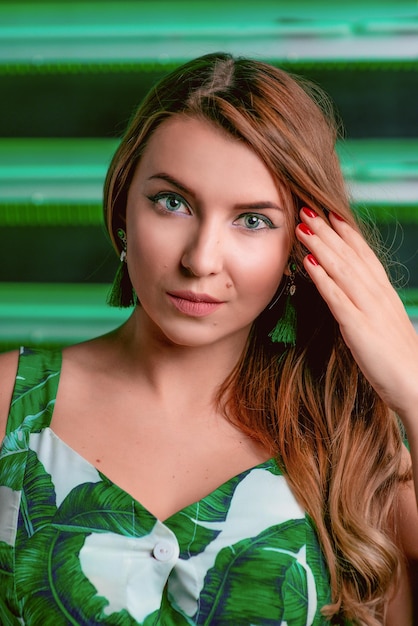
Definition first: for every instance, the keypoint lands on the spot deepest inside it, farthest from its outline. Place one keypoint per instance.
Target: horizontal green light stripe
(145, 66)
(92, 215)
(54, 314)
(40, 36)
(60, 181)
(68, 298)
(51, 215)
(60, 314)
(387, 214)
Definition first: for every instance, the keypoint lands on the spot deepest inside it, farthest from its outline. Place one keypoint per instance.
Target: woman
(231, 454)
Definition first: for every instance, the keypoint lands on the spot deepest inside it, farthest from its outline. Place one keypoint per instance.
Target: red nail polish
(309, 212)
(312, 259)
(338, 217)
(305, 229)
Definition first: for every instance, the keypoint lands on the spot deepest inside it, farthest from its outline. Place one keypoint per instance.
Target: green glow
(51, 314)
(87, 36)
(58, 315)
(299, 65)
(60, 181)
(51, 215)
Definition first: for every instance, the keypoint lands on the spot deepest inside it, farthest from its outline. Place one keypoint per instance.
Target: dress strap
(35, 389)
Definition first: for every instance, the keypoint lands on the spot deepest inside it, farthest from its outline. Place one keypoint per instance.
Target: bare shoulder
(8, 368)
(93, 355)
(87, 365)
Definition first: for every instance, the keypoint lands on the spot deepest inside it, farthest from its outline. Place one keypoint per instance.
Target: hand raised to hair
(371, 316)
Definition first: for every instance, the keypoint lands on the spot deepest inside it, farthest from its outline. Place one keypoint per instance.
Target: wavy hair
(309, 404)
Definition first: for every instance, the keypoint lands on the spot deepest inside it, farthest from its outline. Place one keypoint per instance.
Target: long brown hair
(309, 404)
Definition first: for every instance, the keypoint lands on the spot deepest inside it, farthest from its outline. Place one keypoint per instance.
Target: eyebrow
(254, 206)
(172, 181)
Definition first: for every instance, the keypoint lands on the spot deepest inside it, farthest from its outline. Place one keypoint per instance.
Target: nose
(203, 253)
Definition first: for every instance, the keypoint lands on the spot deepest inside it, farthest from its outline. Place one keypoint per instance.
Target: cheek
(260, 280)
(147, 251)
(261, 267)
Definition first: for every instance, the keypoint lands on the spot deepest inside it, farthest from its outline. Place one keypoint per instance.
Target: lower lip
(194, 309)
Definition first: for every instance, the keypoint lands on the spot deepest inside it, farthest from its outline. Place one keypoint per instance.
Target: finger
(350, 294)
(334, 258)
(340, 304)
(344, 240)
(352, 237)
(345, 256)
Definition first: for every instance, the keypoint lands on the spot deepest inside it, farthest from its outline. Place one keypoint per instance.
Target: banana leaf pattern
(75, 549)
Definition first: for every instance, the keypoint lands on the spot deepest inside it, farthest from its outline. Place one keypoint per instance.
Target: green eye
(170, 202)
(253, 221)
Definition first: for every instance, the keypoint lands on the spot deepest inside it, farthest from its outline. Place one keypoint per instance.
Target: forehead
(202, 155)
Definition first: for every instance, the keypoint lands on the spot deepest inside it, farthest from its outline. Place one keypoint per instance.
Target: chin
(205, 336)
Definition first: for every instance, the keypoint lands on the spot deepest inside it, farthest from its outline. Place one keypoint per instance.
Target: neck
(169, 369)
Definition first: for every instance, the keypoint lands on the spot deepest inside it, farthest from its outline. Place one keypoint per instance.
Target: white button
(163, 551)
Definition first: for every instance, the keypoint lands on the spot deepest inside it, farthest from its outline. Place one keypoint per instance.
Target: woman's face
(207, 241)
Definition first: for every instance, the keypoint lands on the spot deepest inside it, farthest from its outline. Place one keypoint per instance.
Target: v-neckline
(270, 463)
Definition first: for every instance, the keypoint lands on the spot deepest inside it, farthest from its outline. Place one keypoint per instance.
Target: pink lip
(194, 304)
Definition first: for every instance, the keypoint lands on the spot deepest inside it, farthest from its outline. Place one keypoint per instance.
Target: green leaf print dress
(75, 549)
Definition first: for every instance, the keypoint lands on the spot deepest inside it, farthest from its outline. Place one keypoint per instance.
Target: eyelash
(155, 199)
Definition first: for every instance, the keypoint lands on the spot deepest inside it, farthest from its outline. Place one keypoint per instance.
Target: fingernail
(312, 259)
(305, 229)
(338, 217)
(309, 212)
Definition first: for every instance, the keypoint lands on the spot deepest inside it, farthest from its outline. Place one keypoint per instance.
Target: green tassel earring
(285, 329)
